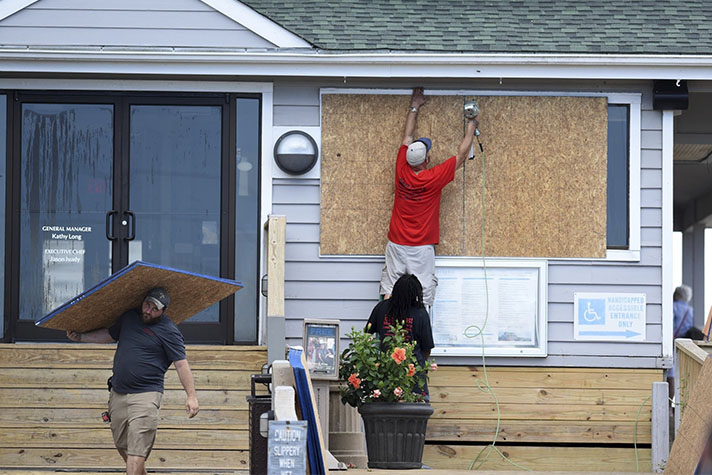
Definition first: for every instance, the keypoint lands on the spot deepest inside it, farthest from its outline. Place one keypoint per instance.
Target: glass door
(175, 158)
(65, 179)
(100, 181)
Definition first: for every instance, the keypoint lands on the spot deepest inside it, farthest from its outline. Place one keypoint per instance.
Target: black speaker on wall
(670, 95)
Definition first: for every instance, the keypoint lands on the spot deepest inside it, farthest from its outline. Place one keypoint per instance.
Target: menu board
(498, 308)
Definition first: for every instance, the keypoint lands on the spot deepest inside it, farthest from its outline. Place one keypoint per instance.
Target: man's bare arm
(464, 149)
(186, 379)
(416, 101)
(97, 336)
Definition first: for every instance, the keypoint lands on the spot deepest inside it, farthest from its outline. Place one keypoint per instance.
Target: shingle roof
(505, 26)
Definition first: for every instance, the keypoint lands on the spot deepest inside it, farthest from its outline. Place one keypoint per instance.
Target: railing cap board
(691, 349)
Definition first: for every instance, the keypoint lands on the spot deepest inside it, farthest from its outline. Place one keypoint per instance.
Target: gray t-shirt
(144, 352)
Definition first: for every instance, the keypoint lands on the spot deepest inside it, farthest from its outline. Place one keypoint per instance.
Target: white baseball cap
(418, 151)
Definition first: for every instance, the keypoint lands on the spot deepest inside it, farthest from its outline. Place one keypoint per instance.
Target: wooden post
(276, 242)
(321, 394)
(660, 426)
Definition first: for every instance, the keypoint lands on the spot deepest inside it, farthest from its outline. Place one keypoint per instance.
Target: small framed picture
(321, 347)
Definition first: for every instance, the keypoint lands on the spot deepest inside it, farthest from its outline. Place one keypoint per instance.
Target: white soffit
(257, 23)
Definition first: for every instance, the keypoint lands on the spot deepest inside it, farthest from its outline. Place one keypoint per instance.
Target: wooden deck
(559, 418)
(345, 472)
(52, 396)
(574, 419)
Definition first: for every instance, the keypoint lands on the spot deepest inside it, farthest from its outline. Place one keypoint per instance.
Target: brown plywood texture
(360, 140)
(545, 174)
(546, 168)
(102, 305)
(696, 426)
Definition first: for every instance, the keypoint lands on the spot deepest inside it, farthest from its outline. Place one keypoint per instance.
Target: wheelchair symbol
(590, 315)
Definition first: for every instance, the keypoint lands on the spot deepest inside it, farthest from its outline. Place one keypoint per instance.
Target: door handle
(132, 234)
(109, 228)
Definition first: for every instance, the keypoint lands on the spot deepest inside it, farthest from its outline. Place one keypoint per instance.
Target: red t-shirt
(415, 220)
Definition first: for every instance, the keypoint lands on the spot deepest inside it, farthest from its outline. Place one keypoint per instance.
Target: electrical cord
(635, 434)
(483, 385)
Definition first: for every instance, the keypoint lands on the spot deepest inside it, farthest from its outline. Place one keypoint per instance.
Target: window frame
(632, 99)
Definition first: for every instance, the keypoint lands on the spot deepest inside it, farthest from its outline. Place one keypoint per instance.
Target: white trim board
(187, 61)
(667, 312)
(10, 7)
(632, 254)
(155, 85)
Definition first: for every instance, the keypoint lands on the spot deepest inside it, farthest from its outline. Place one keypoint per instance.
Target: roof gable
(140, 23)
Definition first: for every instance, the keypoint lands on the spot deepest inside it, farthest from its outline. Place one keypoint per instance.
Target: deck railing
(689, 357)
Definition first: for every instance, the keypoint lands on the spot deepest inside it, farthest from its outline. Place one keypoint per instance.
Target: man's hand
(186, 378)
(191, 407)
(418, 99)
(96, 336)
(74, 336)
(464, 149)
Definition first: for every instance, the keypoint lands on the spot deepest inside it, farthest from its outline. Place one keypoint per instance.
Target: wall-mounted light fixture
(295, 152)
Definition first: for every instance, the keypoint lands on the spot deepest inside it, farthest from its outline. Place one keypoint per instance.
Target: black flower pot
(395, 433)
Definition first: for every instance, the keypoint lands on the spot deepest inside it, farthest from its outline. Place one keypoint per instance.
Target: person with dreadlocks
(405, 306)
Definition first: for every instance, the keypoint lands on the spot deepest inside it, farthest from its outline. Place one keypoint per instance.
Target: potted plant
(383, 379)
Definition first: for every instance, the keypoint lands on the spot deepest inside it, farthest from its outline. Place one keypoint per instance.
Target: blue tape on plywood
(305, 397)
(101, 305)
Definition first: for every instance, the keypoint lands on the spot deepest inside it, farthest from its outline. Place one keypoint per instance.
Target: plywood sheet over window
(545, 169)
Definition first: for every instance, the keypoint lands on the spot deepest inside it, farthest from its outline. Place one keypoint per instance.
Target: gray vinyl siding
(347, 288)
(125, 23)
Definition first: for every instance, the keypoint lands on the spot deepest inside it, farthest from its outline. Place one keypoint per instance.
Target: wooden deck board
(576, 432)
(349, 472)
(517, 377)
(51, 397)
(42, 458)
(91, 418)
(63, 437)
(543, 458)
(85, 355)
(90, 378)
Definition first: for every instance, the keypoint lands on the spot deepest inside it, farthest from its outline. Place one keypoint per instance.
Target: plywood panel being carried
(545, 174)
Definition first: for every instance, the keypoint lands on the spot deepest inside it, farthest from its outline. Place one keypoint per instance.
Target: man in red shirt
(415, 221)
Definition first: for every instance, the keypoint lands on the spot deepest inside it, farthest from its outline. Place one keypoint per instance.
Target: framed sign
(500, 308)
(609, 316)
(321, 348)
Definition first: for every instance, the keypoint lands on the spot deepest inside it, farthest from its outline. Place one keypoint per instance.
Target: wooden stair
(52, 397)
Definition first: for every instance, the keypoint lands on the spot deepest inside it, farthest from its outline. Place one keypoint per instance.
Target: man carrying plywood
(148, 343)
(415, 220)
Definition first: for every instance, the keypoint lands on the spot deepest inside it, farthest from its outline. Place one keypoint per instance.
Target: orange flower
(398, 355)
(355, 381)
(411, 369)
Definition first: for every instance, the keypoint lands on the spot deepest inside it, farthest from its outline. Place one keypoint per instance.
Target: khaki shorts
(416, 260)
(134, 421)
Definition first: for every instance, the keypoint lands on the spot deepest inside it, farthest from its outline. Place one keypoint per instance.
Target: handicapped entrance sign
(609, 317)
